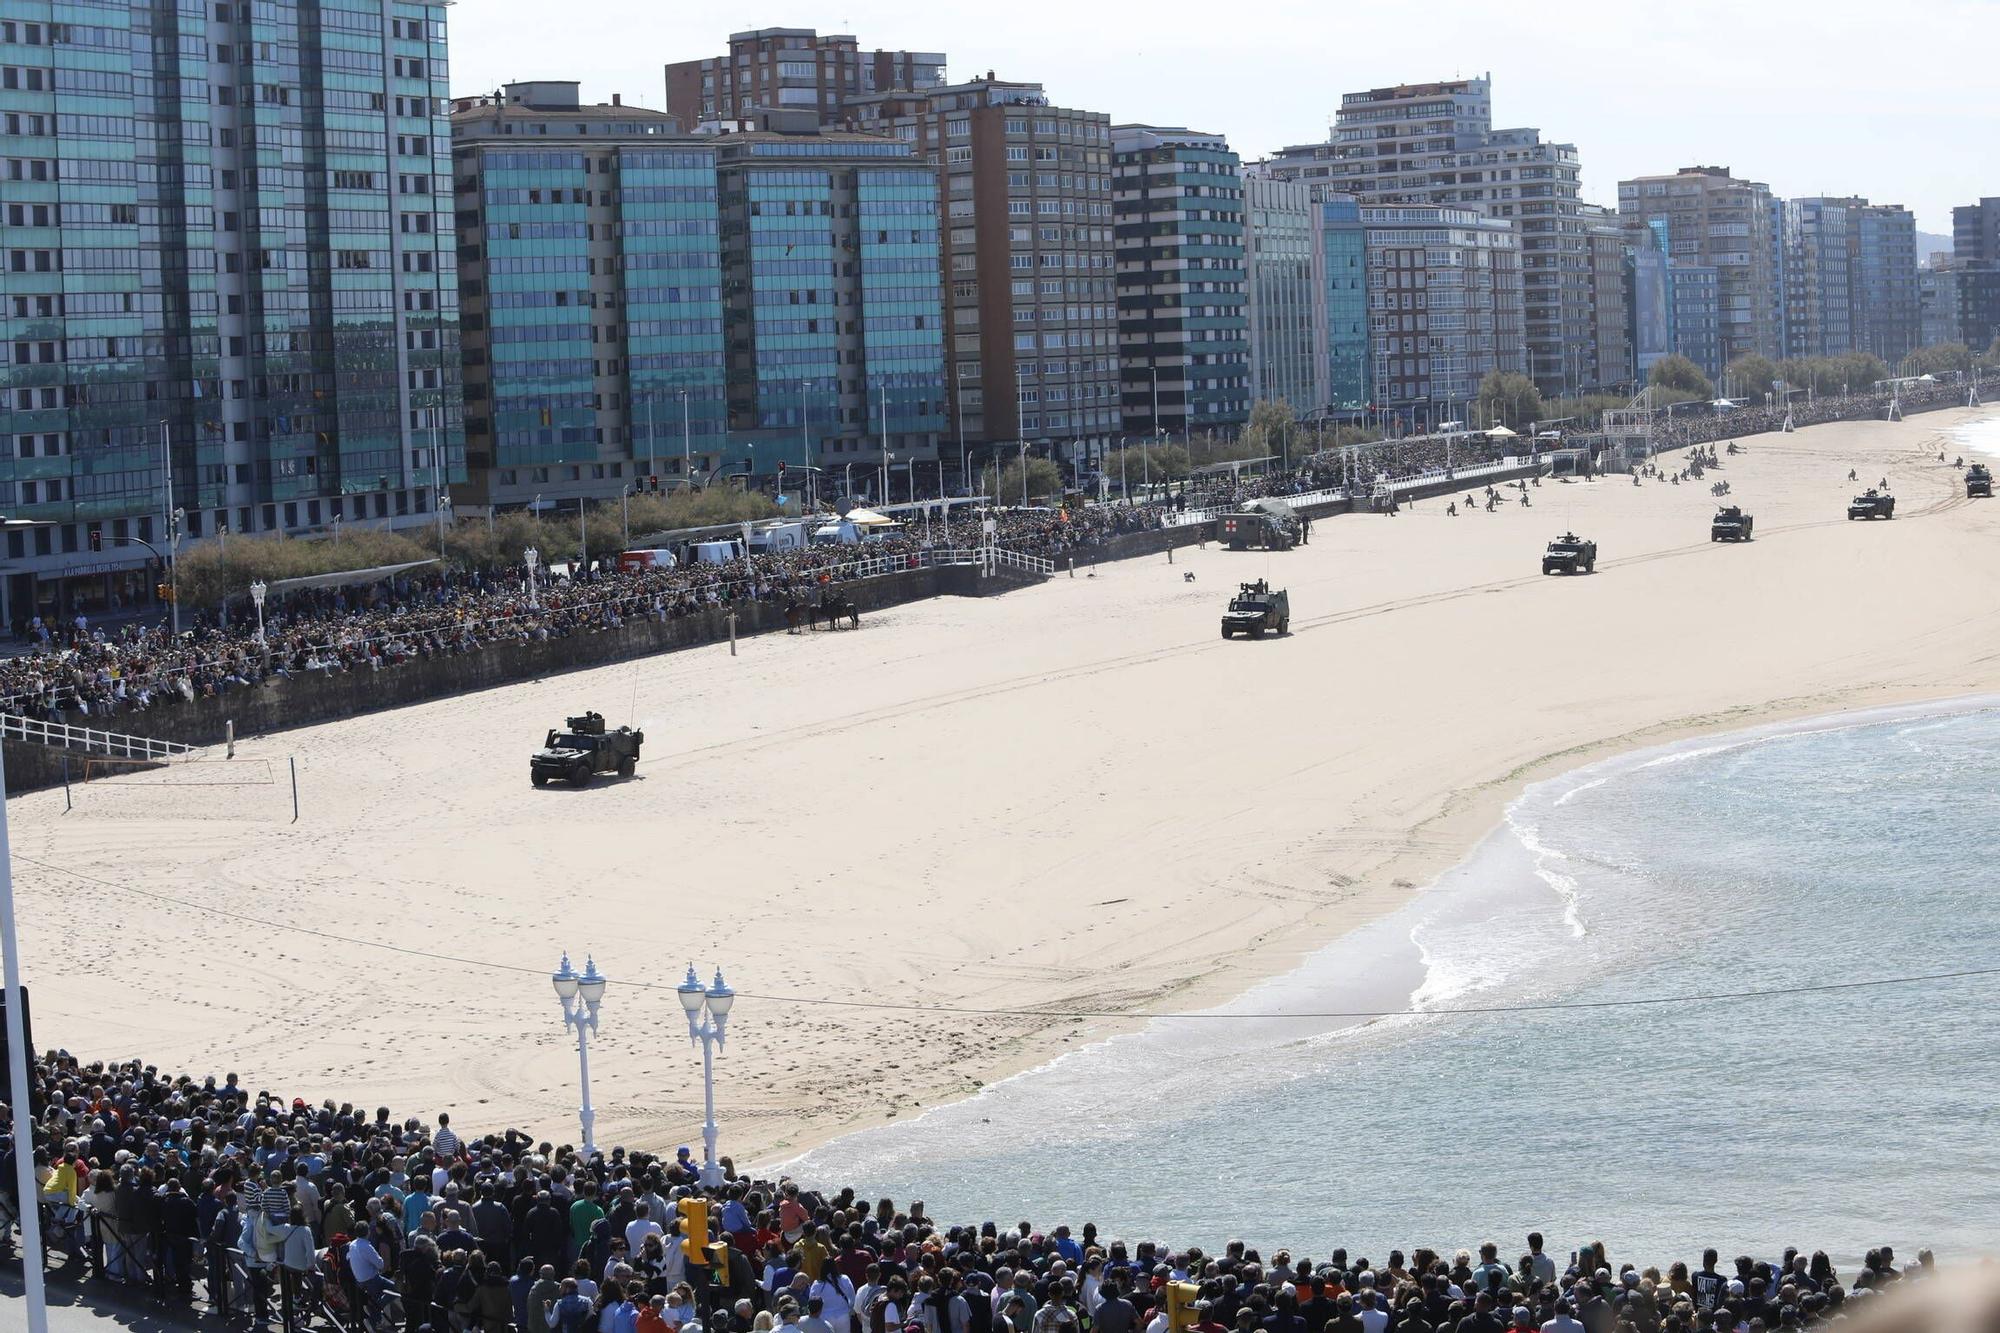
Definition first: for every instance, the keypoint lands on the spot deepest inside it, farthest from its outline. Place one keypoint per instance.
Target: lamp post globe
(579, 995)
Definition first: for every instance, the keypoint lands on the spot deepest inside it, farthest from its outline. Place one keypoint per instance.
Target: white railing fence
(89, 739)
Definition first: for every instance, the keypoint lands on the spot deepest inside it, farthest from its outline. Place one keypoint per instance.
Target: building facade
(1280, 228)
(229, 297)
(1183, 322)
(1445, 307)
(1882, 254)
(1814, 273)
(1718, 221)
(1434, 143)
(832, 314)
(1847, 276)
(591, 294)
(1975, 232)
(1028, 263)
(1341, 371)
(791, 69)
(654, 309)
(1610, 339)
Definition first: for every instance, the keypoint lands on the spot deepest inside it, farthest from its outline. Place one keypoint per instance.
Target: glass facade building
(228, 293)
(1340, 294)
(1278, 238)
(591, 281)
(642, 304)
(833, 310)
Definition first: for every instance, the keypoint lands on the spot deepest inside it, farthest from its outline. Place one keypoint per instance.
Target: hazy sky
(1897, 102)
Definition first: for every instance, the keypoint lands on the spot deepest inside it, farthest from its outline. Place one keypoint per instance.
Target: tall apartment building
(1028, 261)
(1676, 305)
(590, 280)
(1445, 306)
(1975, 232)
(229, 294)
(1937, 299)
(1848, 278)
(1975, 260)
(1434, 143)
(644, 303)
(791, 69)
(1341, 378)
(1882, 251)
(1605, 242)
(1183, 325)
(1281, 229)
(1815, 292)
(1718, 221)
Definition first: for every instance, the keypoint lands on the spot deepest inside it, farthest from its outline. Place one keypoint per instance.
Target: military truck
(1570, 554)
(1871, 503)
(1978, 482)
(1731, 524)
(583, 749)
(1268, 525)
(1255, 608)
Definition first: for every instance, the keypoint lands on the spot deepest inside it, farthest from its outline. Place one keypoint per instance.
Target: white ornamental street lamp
(530, 558)
(257, 591)
(715, 1002)
(580, 996)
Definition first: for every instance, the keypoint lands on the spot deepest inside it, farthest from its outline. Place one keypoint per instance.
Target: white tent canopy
(868, 518)
(1502, 432)
(345, 578)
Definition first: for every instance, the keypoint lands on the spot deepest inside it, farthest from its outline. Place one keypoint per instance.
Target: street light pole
(715, 1002)
(437, 472)
(687, 442)
(529, 557)
(257, 592)
(579, 997)
(26, 1189)
(173, 529)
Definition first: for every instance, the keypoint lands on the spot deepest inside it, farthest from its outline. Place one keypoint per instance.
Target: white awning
(346, 578)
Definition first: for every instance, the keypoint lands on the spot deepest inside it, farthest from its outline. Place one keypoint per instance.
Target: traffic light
(97, 539)
(164, 591)
(694, 1230)
(1181, 1314)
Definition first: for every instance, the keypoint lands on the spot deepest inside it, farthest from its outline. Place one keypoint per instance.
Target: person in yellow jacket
(61, 1189)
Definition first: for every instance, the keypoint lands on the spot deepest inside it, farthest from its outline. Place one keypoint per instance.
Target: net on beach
(194, 788)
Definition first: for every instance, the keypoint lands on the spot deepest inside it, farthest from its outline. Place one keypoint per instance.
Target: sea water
(1849, 850)
(1977, 437)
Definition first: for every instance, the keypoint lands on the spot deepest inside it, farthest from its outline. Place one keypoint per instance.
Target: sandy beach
(1073, 797)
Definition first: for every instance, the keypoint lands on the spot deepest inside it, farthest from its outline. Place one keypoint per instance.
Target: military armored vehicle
(583, 749)
(1255, 608)
(1871, 503)
(1268, 525)
(1978, 482)
(1570, 554)
(1731, 524)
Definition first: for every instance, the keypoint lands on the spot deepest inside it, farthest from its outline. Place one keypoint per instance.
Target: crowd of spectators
(77, 671)
(83, 672)
(171, 1181)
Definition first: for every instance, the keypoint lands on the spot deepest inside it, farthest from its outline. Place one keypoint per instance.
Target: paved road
(93, 1307)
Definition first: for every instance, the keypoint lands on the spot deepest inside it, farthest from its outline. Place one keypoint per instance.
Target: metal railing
(1431, 476)
(1189, 517)
(89, 739)
(1027, 564)
(227, 1279)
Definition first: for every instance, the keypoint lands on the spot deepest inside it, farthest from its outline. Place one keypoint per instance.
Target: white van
(717, 553)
